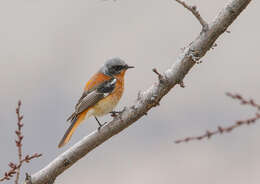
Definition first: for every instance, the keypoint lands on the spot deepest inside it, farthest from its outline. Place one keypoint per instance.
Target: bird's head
(114, 66)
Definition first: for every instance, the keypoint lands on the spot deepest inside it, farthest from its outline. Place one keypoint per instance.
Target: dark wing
(90, 98)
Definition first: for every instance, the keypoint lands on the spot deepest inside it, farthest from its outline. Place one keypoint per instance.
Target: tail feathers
(72, 117)
(74, 124)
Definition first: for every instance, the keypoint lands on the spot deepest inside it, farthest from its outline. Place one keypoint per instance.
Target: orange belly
(107, 104)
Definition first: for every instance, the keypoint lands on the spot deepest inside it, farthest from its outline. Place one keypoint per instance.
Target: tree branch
(208, 134)
(19, 141)
(147, 99)
(195, 12)
(15, 168)
(243, 101)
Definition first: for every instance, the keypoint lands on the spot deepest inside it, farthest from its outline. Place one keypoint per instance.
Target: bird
(100, 96)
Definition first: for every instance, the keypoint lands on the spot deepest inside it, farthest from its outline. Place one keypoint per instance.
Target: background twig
(15, 168)
(19, 140)
(228, 129)
(243, 101)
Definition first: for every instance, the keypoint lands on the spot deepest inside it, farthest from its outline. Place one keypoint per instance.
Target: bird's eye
(118, 67)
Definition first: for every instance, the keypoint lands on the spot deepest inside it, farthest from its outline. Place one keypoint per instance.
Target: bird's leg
(100, 125)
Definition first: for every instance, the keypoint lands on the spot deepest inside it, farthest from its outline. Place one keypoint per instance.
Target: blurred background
(50, 48)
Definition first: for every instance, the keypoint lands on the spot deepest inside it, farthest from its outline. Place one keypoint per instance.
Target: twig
(195, 12)
(228, 129)
(160, 76)
(15, 168)
(19, 140)
(243, 101)
(221, 130)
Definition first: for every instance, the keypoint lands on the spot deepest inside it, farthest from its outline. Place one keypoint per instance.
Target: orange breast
(119, 89)
(96, 79)
(107, 104)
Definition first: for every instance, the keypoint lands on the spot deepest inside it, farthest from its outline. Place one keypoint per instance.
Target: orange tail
(71, 129)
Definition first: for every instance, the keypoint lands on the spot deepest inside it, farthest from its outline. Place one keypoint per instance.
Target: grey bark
(147, 99)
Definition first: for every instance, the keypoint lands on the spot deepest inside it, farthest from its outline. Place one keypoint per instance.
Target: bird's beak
(127, 67)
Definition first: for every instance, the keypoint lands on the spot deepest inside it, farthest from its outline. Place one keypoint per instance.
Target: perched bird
(101, 94)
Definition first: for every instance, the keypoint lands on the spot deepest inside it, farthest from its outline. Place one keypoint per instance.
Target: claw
(115, 113)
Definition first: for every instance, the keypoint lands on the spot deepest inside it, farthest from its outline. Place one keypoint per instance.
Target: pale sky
(50, 48)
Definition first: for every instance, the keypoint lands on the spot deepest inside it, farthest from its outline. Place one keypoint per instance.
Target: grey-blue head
(114, 66)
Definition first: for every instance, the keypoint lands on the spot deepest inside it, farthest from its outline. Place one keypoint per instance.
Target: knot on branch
(214, 46)
(194, 55)
(155, 101)
(66, 162)
(181, 83)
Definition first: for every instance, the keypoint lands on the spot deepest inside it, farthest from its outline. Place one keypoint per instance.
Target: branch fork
(195, 12)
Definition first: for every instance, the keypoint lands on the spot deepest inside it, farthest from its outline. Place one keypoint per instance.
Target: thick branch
(147, 99)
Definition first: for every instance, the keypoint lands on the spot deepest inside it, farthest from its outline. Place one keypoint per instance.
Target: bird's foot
(115, 113)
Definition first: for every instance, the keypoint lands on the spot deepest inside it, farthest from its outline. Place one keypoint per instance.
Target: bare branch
(228, 129)
(221, 130)
(19, 141)
(195, 12)
(15, 168)
(147, 99)
(243, 101)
